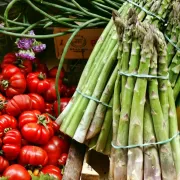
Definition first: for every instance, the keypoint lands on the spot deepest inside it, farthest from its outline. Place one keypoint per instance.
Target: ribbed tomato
(53, 71)
(54, 148)
(12, 81)
(50, 94)
(36, 127)
(37, 102)
(18, 104)
(3, 103)
(17, 172)
(37, 82)
(6, 123)
(25, 66)
(3, 164)
(11, 144)
(52, 171)
(9, 58)
(33, 155)
(64, 103)
(49, 108)
(38, 66)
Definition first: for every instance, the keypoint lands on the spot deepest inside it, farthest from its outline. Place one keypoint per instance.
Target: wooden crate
(85, 165)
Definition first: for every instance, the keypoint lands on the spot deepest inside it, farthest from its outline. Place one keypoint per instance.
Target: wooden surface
(88, 173)
(74, 162)
(100, 163)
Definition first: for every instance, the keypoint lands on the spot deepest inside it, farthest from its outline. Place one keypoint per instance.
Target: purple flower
(1, 25)
(39, 47)
(25, 54)
(25, 43)
(31, 33)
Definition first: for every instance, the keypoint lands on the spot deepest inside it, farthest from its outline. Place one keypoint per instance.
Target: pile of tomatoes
(31, 145)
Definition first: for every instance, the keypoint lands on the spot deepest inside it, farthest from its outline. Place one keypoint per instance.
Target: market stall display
(125, 106)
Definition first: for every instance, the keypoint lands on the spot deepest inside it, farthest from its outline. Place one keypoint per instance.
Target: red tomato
(37, 83)
(73, 89)
(37, 102)
(49, 108)
(24, 142)
(54, 148)
(33, 155)
(24, 65)
(36, 127)
(11, 144)
(13, 81)
(53, 71)
(3, 164)
(64, 103)
(50, 94)
(56, 127)
(52, 171)
(0, 142)
(17, 172)
(68, 92)
(39, 67)
(6, 123)
(18, 104)
(2, 104)
(64, 143)
(63, 89)
(62, 160)
(9, 58)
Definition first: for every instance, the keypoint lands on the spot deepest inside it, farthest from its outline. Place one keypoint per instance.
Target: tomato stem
(2, 104)
(7, 129)
(41, 76)
(42, 120)
(5, 84)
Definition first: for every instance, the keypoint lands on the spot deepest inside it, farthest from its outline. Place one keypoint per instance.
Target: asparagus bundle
(135, 115)
(173, 40)
(85, 115)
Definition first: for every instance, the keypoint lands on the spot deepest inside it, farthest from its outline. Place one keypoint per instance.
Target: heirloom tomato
(54, 148)
(6, 123)
(16, 172)
(52, 171)
(25, 66)
(53, 71)
(38, 66)
(37, 82)
(18, 104)
(36, 127)
(3, 164)
(62, 160)
(64, 103)
(9, 58)
(12, 81)
(49, 108)
(37, 102)
(50, 94)
(33, 155)
(11, 144)
(3, 103)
